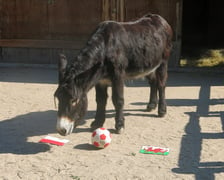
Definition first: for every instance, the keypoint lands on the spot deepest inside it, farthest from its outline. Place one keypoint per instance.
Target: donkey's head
(72, 100)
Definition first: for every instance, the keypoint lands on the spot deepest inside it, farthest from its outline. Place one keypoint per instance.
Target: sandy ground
(192, 129)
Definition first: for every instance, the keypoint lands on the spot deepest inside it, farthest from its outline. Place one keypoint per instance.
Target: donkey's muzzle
(64, 126)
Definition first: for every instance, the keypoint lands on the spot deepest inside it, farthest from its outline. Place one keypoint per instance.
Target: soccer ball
(101, 137)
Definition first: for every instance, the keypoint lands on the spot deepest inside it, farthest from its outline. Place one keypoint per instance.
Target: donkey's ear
(62, 64)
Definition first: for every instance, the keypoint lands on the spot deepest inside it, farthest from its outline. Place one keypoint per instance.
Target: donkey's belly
(132, 75)
(141, 73)
(105, 81)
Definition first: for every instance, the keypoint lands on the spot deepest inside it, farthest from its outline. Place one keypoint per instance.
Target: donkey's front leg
(118, 101)
(101, 100)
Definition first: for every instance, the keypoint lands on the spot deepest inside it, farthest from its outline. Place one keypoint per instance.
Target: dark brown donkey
(116, 51)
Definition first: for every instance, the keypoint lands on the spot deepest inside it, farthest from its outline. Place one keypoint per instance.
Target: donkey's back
(138, 47)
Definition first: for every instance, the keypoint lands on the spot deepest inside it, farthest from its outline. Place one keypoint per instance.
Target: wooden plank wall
(27, 27)
(113, 10)
(39, 19)
(35, 31)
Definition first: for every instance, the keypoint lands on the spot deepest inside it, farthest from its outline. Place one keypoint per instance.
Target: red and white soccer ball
(101, 137)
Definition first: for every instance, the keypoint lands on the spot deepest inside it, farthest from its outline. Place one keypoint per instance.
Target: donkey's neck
(88, 79)
(92, 54)
(87, 68)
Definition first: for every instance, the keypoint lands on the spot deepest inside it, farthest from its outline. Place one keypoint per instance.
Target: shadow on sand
(191, 143)
(15, 132)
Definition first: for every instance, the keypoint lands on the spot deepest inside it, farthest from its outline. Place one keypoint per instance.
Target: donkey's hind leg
(161, 76)
(153, 98)
(101, 100)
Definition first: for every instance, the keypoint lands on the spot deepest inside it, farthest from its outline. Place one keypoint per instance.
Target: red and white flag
(54, 140)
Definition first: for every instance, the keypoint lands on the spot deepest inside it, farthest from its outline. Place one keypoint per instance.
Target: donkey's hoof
(150, 107)
(120, 130)
(95, 125)
(161, 114)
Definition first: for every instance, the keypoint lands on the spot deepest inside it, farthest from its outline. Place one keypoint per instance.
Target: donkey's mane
(87, 61)
(90, 55)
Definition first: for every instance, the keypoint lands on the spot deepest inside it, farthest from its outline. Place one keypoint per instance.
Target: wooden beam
(122, 10)
(30, 43)
(105, 10)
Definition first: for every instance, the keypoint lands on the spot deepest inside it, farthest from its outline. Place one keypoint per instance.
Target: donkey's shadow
(14, 132)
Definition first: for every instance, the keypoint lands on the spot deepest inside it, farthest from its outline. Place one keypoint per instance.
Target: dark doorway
(203, 25)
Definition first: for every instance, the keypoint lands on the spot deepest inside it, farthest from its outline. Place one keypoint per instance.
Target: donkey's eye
(74, 102)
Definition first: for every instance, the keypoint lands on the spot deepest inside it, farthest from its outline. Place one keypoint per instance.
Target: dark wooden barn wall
(44, 19)
(35, 31)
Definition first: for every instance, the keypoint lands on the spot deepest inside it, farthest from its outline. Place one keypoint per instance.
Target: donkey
(116, 51)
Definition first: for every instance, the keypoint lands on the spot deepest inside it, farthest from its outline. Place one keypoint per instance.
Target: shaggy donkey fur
(116, 51)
